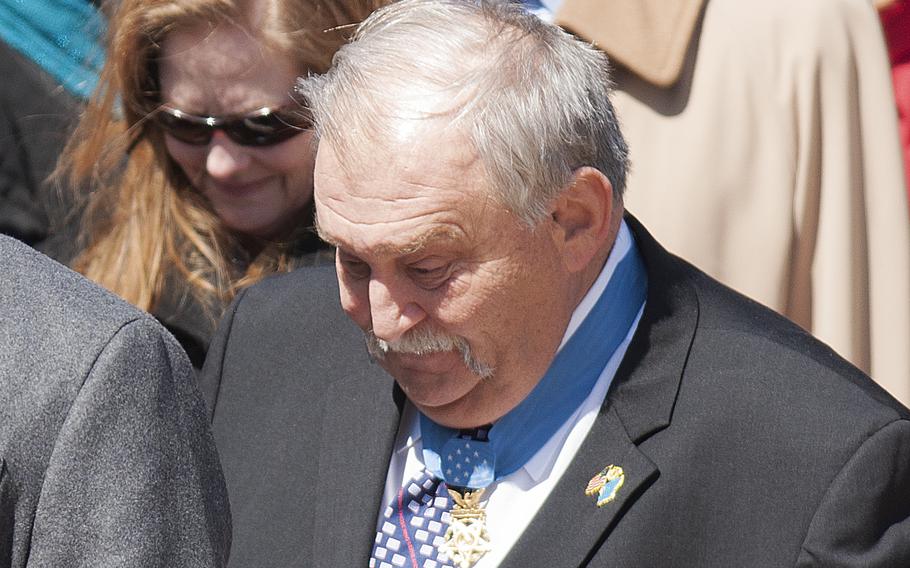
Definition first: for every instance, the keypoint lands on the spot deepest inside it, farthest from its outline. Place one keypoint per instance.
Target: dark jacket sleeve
(134, 478)
(864, 519)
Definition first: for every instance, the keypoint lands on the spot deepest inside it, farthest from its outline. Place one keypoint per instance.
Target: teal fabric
(63, 37)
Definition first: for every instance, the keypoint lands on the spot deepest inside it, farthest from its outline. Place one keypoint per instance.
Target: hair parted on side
(144, 223)
(532, 99)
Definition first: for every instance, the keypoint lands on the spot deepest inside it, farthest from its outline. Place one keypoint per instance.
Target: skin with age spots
(422, 245)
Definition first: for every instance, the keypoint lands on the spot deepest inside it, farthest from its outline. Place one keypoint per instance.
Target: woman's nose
(225, 157)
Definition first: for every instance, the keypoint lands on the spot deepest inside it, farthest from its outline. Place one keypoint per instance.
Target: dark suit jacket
(106, 458)
(744, 441)
(36, 117)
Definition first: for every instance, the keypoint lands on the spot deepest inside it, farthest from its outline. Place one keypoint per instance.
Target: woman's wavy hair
(143, 223)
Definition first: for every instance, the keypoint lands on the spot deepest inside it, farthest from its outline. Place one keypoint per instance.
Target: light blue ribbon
(63, 37)
(518, 435)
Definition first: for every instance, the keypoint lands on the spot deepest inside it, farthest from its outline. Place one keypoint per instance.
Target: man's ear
(583, 215)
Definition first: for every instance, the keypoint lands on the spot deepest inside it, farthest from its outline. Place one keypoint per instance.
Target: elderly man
(566, 392)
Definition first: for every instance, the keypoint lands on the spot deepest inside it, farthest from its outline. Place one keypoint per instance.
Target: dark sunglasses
(262, 127)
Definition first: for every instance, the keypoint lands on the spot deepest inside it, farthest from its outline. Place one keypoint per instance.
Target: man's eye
(354, 267)
(430, 276)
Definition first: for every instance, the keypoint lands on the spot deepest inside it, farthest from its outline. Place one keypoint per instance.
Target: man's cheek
(355, 304)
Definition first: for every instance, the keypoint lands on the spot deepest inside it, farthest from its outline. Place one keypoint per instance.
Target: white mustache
(425, 342)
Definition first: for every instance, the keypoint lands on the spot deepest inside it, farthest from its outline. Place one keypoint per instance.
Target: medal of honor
(467, 464)
(466, 540)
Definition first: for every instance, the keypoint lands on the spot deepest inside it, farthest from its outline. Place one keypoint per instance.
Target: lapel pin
(606, 484)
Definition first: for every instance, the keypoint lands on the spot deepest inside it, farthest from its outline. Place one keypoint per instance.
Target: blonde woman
(199, 157)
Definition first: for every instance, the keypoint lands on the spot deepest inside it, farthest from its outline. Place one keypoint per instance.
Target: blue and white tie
(413, 526)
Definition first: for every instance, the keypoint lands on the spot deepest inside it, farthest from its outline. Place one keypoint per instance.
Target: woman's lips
(238, 188)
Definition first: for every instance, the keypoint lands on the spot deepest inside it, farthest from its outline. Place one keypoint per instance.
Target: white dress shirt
(514, 500)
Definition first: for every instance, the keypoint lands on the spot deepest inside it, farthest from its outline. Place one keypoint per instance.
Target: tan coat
(765, 150)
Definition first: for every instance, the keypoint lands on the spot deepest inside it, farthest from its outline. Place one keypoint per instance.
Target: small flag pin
(606, 484)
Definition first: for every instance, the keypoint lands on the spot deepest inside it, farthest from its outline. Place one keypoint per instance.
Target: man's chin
(459, 410)
(431, 381)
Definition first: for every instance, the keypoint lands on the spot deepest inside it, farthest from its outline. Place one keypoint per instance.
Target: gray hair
(532, 99)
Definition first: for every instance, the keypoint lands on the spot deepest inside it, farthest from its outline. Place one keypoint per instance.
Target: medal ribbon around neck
(517, 436)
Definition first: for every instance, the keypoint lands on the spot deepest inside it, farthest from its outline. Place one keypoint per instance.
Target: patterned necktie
(413, 526)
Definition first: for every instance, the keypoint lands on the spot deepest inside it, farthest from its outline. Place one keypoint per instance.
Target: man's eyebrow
(322, 235)
(436, 234)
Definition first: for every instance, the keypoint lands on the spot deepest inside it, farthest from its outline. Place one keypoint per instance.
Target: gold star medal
(467, 539)
(468, 466)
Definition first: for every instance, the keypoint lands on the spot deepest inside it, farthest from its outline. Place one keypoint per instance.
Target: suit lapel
(645, 387)
(571, 520)
(358, 438)
(355, 446)
(640, 403)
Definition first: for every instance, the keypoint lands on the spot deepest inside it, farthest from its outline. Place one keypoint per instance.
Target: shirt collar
(539, 465)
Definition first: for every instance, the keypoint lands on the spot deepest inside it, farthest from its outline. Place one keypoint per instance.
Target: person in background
(51, 52)
(199, 158)
(765, 150)
(566, 392)
(895, 17)
(106, 457)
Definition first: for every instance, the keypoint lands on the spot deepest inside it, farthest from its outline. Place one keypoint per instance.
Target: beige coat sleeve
(773, 163)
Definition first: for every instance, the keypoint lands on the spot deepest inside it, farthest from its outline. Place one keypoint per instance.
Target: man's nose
(225, 158)
(392, 312)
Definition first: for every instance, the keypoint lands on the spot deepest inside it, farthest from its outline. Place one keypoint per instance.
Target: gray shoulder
(284, 322)
(73, 353)
(35, 288)
(282, 330)
(305, 299)
(55, 323)
(309, 284)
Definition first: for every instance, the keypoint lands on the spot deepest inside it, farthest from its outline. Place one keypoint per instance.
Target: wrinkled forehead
(396, 190)
(222, 70)
(410, 153)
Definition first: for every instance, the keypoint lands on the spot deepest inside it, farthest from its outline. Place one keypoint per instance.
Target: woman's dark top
(185, 317)
(36, 115)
